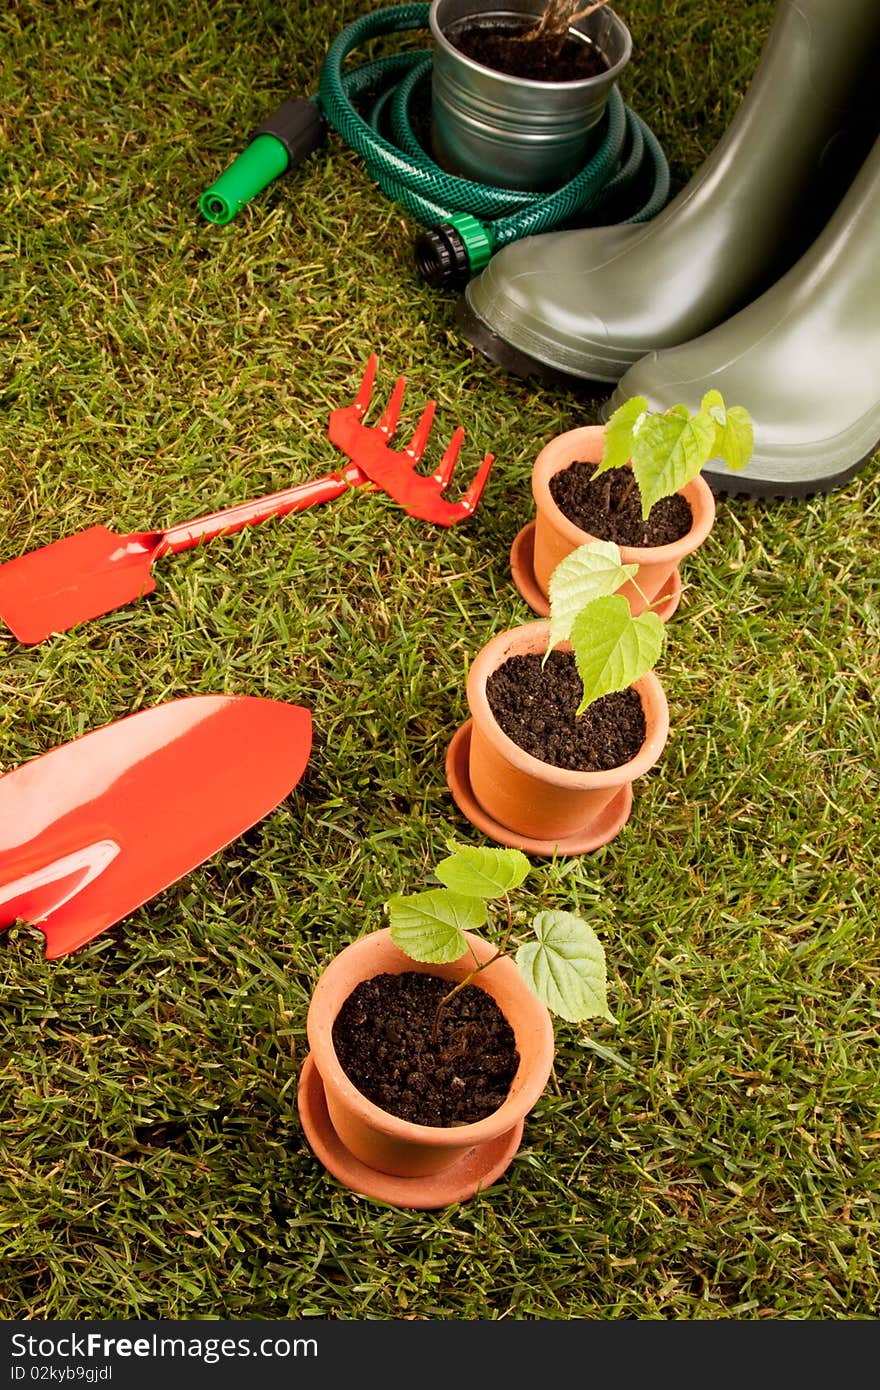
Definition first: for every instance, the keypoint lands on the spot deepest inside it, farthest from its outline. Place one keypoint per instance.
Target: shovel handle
(231, 519)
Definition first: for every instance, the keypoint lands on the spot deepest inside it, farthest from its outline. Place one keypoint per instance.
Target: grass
(714, 1154)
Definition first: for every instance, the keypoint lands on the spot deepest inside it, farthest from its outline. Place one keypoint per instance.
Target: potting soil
(610, 507)
(383, 1036)
(536, 706)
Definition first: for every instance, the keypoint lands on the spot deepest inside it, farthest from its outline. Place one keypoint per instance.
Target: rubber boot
(583, 305)
(804, 359)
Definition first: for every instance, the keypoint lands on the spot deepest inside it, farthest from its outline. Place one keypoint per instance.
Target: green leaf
(619, 433)
(429, 926)
(589, 572)
(482, 873)
(734, 444)
(713, 404)
(612, 648)
(565, 967)
(669, 452)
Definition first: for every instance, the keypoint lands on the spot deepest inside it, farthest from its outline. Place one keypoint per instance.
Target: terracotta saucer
(462, 1179)
(522, 568)
(601, 829)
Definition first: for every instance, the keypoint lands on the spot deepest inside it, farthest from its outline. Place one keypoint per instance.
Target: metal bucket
(509, 131)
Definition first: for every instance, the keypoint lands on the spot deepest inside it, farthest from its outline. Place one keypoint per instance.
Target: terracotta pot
(539, 548)
(525, 803)
(379, 1155)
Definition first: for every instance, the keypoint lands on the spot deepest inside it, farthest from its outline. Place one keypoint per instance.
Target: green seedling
(564, 963)
(669, 449)
(611, 648)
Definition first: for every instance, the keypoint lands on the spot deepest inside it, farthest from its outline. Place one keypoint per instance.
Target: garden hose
(465, 221)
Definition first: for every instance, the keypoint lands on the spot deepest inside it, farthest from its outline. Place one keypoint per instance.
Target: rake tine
(417, 445)
(447, 464)
(475, 490)
(391, 414)
(365, 390)
(394, 472)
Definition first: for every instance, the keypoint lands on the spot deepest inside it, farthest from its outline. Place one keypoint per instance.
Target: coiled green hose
(480, 217)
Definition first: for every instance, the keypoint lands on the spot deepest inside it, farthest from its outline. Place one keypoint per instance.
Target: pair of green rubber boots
(761, 278)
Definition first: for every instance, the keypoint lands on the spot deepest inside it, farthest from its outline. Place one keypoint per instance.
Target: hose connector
(289, 135)
(448, 255)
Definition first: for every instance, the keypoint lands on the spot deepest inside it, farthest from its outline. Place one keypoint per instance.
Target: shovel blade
(75, 579)
(93, 829)
(35, 894)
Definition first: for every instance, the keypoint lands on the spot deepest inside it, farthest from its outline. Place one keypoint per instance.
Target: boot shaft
(801, 132)
(587, 303)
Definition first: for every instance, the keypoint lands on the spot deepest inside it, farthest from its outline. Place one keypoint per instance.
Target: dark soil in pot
(499, 45)
(536, 706)
(383, 1036)
(610, 507)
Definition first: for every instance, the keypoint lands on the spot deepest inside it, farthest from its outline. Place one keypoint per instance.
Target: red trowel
(92, 829)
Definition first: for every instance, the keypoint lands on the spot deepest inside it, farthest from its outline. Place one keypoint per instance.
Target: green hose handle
(289, 135)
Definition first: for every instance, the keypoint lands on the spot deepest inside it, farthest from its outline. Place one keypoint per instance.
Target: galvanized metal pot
(513, 132)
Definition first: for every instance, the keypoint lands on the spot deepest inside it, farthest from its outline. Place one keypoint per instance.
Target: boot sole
(733, 487)
(518, 363)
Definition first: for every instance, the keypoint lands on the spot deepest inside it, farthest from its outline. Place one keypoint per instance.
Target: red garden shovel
(92, 829)
(95, 571)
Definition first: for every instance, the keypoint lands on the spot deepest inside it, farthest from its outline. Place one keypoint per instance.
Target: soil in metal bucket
(499, 45)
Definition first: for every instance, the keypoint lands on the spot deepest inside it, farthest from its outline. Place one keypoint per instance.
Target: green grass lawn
(712, 1155)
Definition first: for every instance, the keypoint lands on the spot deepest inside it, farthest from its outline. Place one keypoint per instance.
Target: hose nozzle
(288, 136)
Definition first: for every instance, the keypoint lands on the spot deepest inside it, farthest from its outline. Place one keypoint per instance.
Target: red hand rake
(52, 589)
